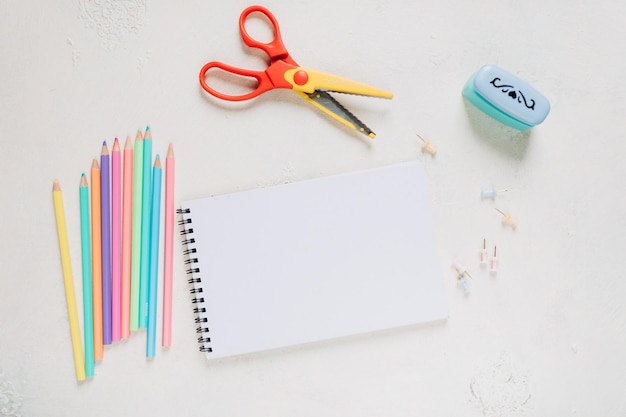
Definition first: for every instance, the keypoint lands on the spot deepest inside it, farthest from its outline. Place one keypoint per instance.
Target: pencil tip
(116, 145)
(83, 180)
(56, 186)
(94, 164)
(104, 143)
(139, 135)
(157, 162)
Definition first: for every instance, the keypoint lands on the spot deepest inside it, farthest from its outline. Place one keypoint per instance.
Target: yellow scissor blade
(308, 81)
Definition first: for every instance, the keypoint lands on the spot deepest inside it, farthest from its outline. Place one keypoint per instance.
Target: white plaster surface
(545, 336)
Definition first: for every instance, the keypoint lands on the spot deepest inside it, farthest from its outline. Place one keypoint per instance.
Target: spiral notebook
(313, 260)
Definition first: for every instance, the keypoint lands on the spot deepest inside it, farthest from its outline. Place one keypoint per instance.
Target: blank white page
(315, 259)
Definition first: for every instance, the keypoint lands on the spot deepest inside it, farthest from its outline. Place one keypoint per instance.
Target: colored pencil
(127, 205)
(169, 248)
(154, 258)
(136, 232)
(85, 238)
(105, 202)
(96, 260)
(70, 296)
(145, 229)
(116, 243)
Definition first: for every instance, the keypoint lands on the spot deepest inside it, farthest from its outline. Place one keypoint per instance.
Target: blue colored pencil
(105, 203)
(85, 235)
(154, 258)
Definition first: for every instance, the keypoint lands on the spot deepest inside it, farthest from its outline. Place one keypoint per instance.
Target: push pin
(462, 277)
(494, 263)
(427, 146)
(507, 219)
(491, 193)
(483, 254)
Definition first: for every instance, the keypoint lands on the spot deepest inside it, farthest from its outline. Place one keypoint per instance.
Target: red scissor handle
(263, 82)
(276, 48)
(272, 77)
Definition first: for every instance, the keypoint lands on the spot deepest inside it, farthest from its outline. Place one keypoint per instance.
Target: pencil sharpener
(506, 98)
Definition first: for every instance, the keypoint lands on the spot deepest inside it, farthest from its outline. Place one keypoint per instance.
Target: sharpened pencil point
(148, 134)
(157, 161)
(139, 135)
(170, 151)
(83, 180)
(56, 186)
(116, 145)
(94, 164)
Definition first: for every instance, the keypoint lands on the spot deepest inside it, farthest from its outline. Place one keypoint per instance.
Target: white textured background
(547, 336)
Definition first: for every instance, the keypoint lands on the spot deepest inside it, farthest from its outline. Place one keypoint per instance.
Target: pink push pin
(494, 263)
(483, 254)
(427, 146)
(507, 219)
(462, 276)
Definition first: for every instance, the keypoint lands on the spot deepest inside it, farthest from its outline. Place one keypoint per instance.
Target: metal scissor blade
(325, 102)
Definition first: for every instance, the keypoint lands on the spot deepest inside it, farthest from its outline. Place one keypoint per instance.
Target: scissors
(284, 72)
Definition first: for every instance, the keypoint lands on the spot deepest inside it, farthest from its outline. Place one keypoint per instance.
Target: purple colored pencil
(105, 202)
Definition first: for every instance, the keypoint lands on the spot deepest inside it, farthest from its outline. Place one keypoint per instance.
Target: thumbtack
(427, 146)
(462, 276)
(491, 193)
(494, 262)
(483, 254)
(507, 219)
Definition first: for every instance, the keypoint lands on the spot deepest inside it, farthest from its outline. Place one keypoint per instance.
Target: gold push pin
(507, 219)
(427, 146)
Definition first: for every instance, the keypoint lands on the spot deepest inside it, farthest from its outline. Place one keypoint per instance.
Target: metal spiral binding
(195, 280)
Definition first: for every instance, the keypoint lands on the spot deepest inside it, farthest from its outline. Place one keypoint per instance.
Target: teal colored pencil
(85, 235)
(135, 257)
(154, 257)
(146, 205)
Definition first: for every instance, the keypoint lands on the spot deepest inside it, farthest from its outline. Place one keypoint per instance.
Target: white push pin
(494, 263)
(507, 219)
(491, 193)
(483, 254)
(427, 146)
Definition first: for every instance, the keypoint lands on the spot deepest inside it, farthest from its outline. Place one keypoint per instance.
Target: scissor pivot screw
(301, 77)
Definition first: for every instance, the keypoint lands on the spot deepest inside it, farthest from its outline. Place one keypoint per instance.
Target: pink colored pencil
(169, 247)
(127, 210)
(116, 250)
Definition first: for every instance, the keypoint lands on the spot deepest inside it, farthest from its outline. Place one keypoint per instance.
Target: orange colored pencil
(127, 223)
(96, 260)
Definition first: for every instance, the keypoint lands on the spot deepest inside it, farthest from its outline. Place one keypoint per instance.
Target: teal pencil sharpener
(506, 98)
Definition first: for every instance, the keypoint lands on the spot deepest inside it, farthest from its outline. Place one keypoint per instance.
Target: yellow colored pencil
(68, 279)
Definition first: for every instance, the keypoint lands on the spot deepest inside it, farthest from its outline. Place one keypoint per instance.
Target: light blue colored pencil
(85, 235)
(154, 258)
(146, 206)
